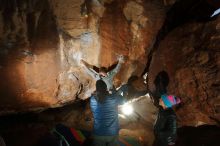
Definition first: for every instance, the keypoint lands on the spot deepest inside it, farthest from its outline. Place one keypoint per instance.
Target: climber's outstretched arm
(89, 70)
(117, 68)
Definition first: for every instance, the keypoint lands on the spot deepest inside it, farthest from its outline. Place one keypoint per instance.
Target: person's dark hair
(161, 82)
(103, 69)
(101, 90)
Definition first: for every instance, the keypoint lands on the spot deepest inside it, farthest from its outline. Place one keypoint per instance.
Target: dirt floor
(30, 128)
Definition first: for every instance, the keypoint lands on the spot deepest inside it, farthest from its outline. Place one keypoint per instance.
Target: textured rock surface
(128, 28)
(190, 56)
(29, 59)
(42, 42)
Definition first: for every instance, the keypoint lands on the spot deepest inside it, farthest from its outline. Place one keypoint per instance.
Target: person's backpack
(62, 140)
(62, 135)
(71, 136)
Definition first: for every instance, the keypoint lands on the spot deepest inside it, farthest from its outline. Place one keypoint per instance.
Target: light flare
(127, 109)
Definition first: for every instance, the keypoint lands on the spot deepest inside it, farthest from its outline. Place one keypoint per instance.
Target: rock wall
(129, 28)
(29, 60)
(42, 42)
(190, 56)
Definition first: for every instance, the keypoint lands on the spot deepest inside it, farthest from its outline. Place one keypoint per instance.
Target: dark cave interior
(43, 83)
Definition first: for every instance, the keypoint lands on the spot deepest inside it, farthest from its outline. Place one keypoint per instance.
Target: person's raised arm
(117, 68)
(89, 69)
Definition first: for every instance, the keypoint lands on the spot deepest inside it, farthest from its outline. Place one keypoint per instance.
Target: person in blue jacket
(104, 107)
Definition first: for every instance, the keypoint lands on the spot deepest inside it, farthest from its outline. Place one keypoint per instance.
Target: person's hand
(121, 59)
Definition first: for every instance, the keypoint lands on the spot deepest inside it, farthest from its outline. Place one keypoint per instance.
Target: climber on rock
(107, 77)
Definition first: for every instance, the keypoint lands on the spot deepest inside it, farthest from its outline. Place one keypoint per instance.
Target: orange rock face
(42, 43)
(189, 55)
